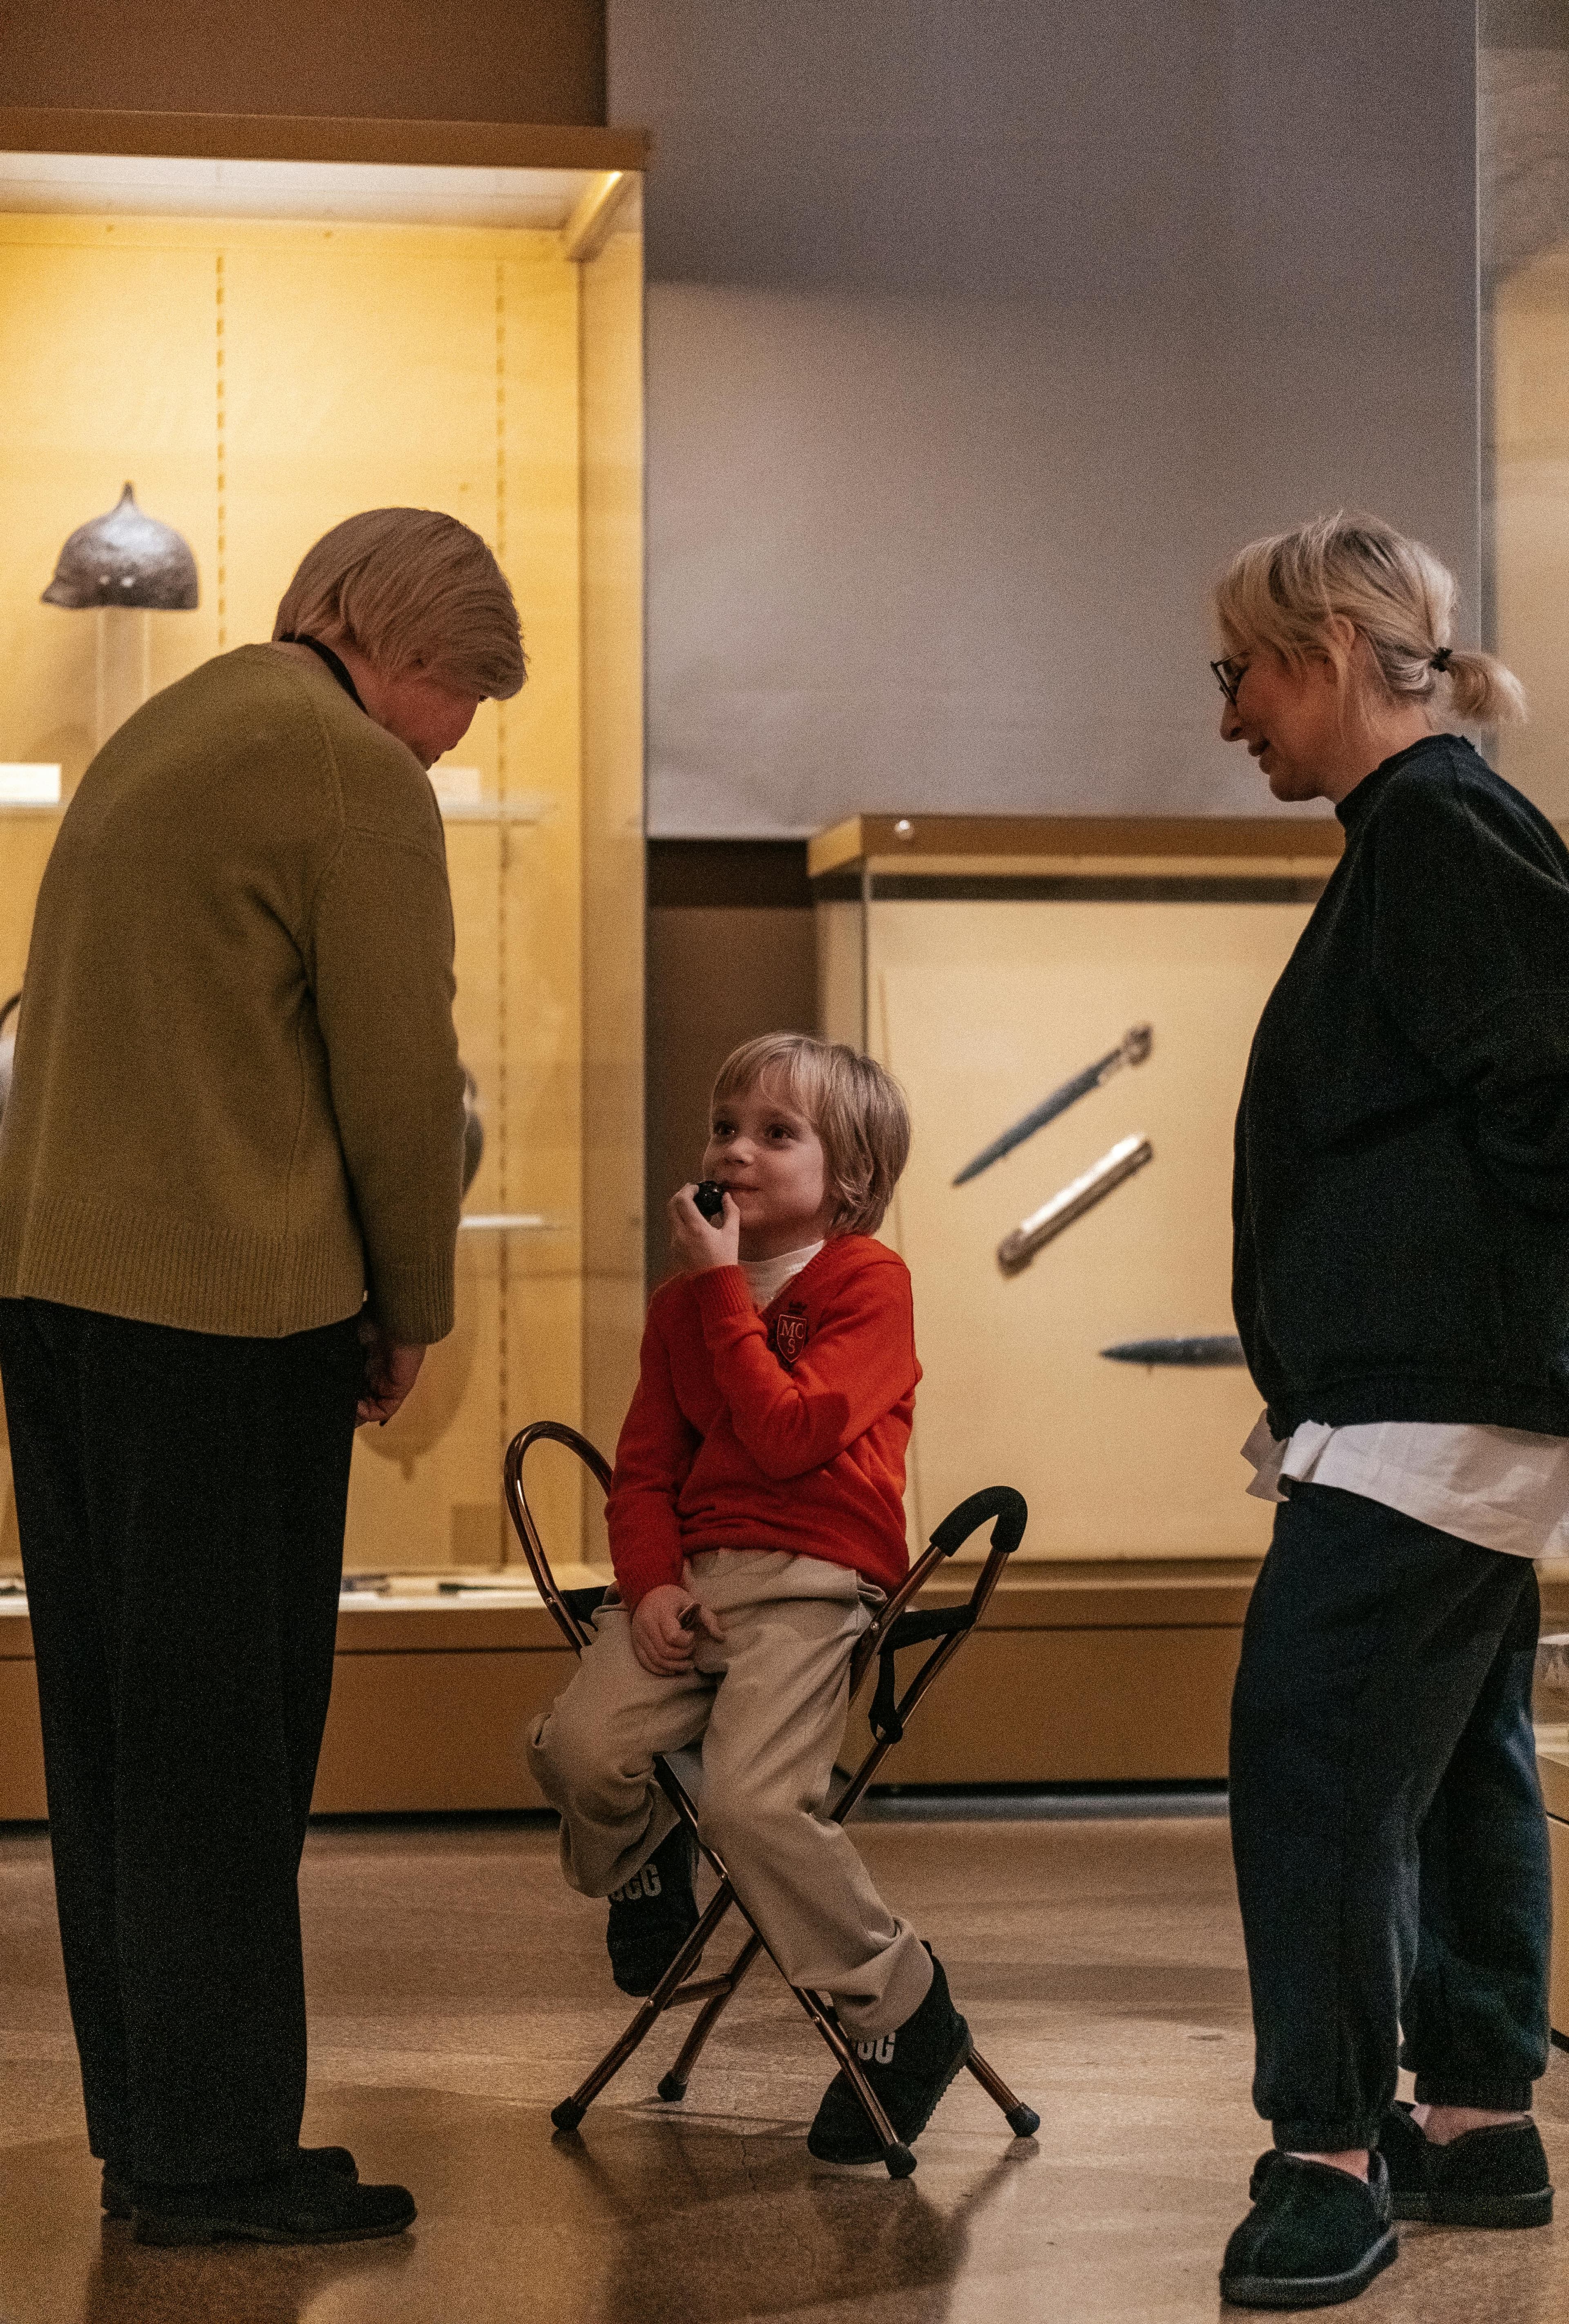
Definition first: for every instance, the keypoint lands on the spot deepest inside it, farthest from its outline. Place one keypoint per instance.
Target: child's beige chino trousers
(768, 1703)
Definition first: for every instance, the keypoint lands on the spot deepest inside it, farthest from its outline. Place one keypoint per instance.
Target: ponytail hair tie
(1441, 658)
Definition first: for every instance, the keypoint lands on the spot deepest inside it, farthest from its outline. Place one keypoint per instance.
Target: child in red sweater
(756, 1519)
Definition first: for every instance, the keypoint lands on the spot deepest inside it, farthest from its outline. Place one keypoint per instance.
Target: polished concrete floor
(458, 1991)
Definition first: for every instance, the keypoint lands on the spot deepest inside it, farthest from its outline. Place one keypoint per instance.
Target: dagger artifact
(1016, 1250)
(1198, 1351)
(1131, 1050)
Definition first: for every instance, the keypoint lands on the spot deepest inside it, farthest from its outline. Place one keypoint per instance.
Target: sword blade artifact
(1131, 1050)
(1016, 1250)
(1200, 1348)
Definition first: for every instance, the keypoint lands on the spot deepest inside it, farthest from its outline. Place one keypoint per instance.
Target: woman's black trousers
(1390, 1847)
(181, 1498)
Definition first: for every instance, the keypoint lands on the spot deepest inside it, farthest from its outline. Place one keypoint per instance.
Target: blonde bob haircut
(1281, 594)
(857, 1109)
(411, 588)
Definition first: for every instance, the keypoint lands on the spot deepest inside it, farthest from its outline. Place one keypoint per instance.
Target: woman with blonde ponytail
(1401, 1286)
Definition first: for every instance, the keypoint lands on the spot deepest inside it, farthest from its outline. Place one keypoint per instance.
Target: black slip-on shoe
(1315, 2236)
(1492, 2178)
(1405, 2152)
(116, 2192)
(301, 2205)
(652, 1915)
(908, 2071)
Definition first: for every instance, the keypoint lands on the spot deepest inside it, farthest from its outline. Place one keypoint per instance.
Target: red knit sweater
(785, 1430)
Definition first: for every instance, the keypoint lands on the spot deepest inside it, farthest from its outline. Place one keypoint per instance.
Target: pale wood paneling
(260, 380)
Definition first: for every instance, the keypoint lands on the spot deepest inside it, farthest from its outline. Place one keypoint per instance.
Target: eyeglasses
(1229, 676)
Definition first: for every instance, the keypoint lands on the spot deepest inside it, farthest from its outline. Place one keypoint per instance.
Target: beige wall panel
(1070, 1707)
(981, 1009)
(360, 370)
(25, 841)
(370, 366)
(839, 973)
(427, 1732)
(612, 849)
(21, 1796)
(539, 968)
(418, 1484)
(107, 352)
(1530, 339)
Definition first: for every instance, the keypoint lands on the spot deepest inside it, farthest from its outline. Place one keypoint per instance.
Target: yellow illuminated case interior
(988, 959)
(263, 346)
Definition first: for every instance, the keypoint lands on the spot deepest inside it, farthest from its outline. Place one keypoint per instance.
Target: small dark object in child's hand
(689, 1616)
(709, 1197)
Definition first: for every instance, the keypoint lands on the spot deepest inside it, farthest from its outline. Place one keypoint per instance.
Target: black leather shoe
(652, 1915)
(1315, 2236)
(116, 2192)
(301, 2205)
(908, 2071)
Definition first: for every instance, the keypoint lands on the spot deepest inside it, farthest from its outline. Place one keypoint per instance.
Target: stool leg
(1022, 2120)
(571, 2111)
(674, 2085)
(897, 2157)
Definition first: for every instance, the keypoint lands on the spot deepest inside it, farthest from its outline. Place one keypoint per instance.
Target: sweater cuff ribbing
(415, 1304)
(638, 1572)
(722, 1291)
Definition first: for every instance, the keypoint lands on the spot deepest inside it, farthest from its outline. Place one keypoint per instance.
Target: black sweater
(1401, 1199)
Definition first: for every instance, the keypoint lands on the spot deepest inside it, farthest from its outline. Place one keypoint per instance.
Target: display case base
(1090, 1672)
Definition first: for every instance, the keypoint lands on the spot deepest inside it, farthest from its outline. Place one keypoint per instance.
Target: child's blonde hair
(1281, 592)
(857, 1110)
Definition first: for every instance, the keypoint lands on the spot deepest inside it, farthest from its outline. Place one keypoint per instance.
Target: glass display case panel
(987, 982)
(264, 348)
(1523, 141)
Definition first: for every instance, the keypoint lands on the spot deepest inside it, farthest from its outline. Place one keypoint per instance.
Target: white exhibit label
(455, 785)
(23, 783)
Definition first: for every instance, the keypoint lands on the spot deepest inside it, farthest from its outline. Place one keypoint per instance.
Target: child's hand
(664, 1630)
(698, 1246)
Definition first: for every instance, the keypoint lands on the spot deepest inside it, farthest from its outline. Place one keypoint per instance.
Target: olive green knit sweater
(237, 1105)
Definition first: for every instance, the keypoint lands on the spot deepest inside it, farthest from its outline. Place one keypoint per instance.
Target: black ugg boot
(652, 1915)
(908, 2071)
(1315, 2236)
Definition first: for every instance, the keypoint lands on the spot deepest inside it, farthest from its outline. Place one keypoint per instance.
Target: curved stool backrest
(558, 1600)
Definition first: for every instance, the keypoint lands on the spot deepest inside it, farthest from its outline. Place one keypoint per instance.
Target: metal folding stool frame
(894, 1628)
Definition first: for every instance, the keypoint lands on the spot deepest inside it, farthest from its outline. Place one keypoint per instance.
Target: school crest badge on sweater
(790, 1336)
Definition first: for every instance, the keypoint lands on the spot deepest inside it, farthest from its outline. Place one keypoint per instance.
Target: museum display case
(1117, 967)
(260, 337)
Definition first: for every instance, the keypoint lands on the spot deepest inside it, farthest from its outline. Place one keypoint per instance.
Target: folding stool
(893, 1629)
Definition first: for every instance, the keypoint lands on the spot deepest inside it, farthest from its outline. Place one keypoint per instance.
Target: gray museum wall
(978, 334)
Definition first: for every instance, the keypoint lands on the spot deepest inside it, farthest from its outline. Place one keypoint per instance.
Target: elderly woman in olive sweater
(229, 1184)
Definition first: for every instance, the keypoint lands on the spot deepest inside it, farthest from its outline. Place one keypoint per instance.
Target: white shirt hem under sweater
(1503, 1488)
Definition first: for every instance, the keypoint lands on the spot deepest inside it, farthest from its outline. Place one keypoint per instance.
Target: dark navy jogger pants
(1387, 1827)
